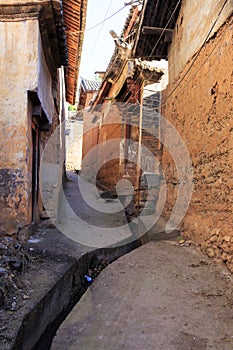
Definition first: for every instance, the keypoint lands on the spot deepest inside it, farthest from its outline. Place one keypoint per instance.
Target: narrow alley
(116, 188)
(156, 295)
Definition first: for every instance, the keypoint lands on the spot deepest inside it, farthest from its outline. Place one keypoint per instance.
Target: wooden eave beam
(166, 33)
(102, 93)
(156, 31)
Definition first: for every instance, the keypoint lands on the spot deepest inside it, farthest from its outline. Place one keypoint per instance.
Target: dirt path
(160, 296)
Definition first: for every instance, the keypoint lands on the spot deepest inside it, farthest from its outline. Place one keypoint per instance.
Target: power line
(100, 30)
(156, 44)
(113, 60)
(96, 25)
(197, 54)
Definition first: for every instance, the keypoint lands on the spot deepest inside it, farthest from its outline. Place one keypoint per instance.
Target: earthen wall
(18, 66)
(23, 70)
(199, 104)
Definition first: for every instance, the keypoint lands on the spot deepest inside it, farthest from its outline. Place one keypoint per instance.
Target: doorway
(35, 172)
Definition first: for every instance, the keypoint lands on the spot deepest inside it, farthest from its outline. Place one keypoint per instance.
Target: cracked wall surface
(18, 62)
(199, 103)
(23, 70)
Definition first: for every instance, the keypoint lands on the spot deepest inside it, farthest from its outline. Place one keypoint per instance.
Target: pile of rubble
(220, 248)
(13, 262)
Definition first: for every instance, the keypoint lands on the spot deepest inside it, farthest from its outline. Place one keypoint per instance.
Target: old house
(74, 137)
(103, 123)
(121, 140)
(74, 130)
(87, 92)
(197, 41)
(195, 132)
(40, 53)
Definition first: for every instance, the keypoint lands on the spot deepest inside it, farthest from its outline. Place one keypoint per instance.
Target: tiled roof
(62, 25)
(90, 85)
(74, 12)
(117, 61)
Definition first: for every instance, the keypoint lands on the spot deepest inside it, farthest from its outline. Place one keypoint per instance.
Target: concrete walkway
(160, 296)
(88, 219)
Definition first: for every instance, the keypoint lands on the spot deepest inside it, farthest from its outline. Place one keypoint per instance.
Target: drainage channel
(78, 289)
(39, 326)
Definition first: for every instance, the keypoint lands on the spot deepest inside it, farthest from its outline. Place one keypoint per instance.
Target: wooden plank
(157, 31)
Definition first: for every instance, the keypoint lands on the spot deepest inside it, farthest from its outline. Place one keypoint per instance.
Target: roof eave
(156, 13)
(75, 23)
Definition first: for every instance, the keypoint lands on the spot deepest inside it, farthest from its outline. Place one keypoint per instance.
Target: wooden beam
(156, 31)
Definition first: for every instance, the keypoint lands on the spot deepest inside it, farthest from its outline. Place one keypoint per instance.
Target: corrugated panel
(90, 85)
(74, 12)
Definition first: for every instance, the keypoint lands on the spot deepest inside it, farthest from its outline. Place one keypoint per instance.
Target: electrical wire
(179, 54)
(167, 24)
(157, 42)
(96, 25)
(198, 53)
(114, 59)
(100, 30)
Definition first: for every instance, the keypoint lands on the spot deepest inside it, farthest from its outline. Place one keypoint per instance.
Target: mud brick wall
(102, 137)
(74, 144)
(201, 109)
(113, 169)
(109, 168)
(150, 132)
(23, 68)
(89, 150)
(13, 193)
(101, 151)
(109, 174)
(18, 66)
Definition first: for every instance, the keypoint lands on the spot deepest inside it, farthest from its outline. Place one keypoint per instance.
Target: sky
(98, 44)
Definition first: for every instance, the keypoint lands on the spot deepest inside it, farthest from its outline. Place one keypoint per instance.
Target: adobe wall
(89, 150)
(100, 155)
(196, 20)
(23, 68)
(109, 132)
(18, 73)
(201, 109)
(89, 97)
(74, 140)
(52, 143)
(109, 166)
